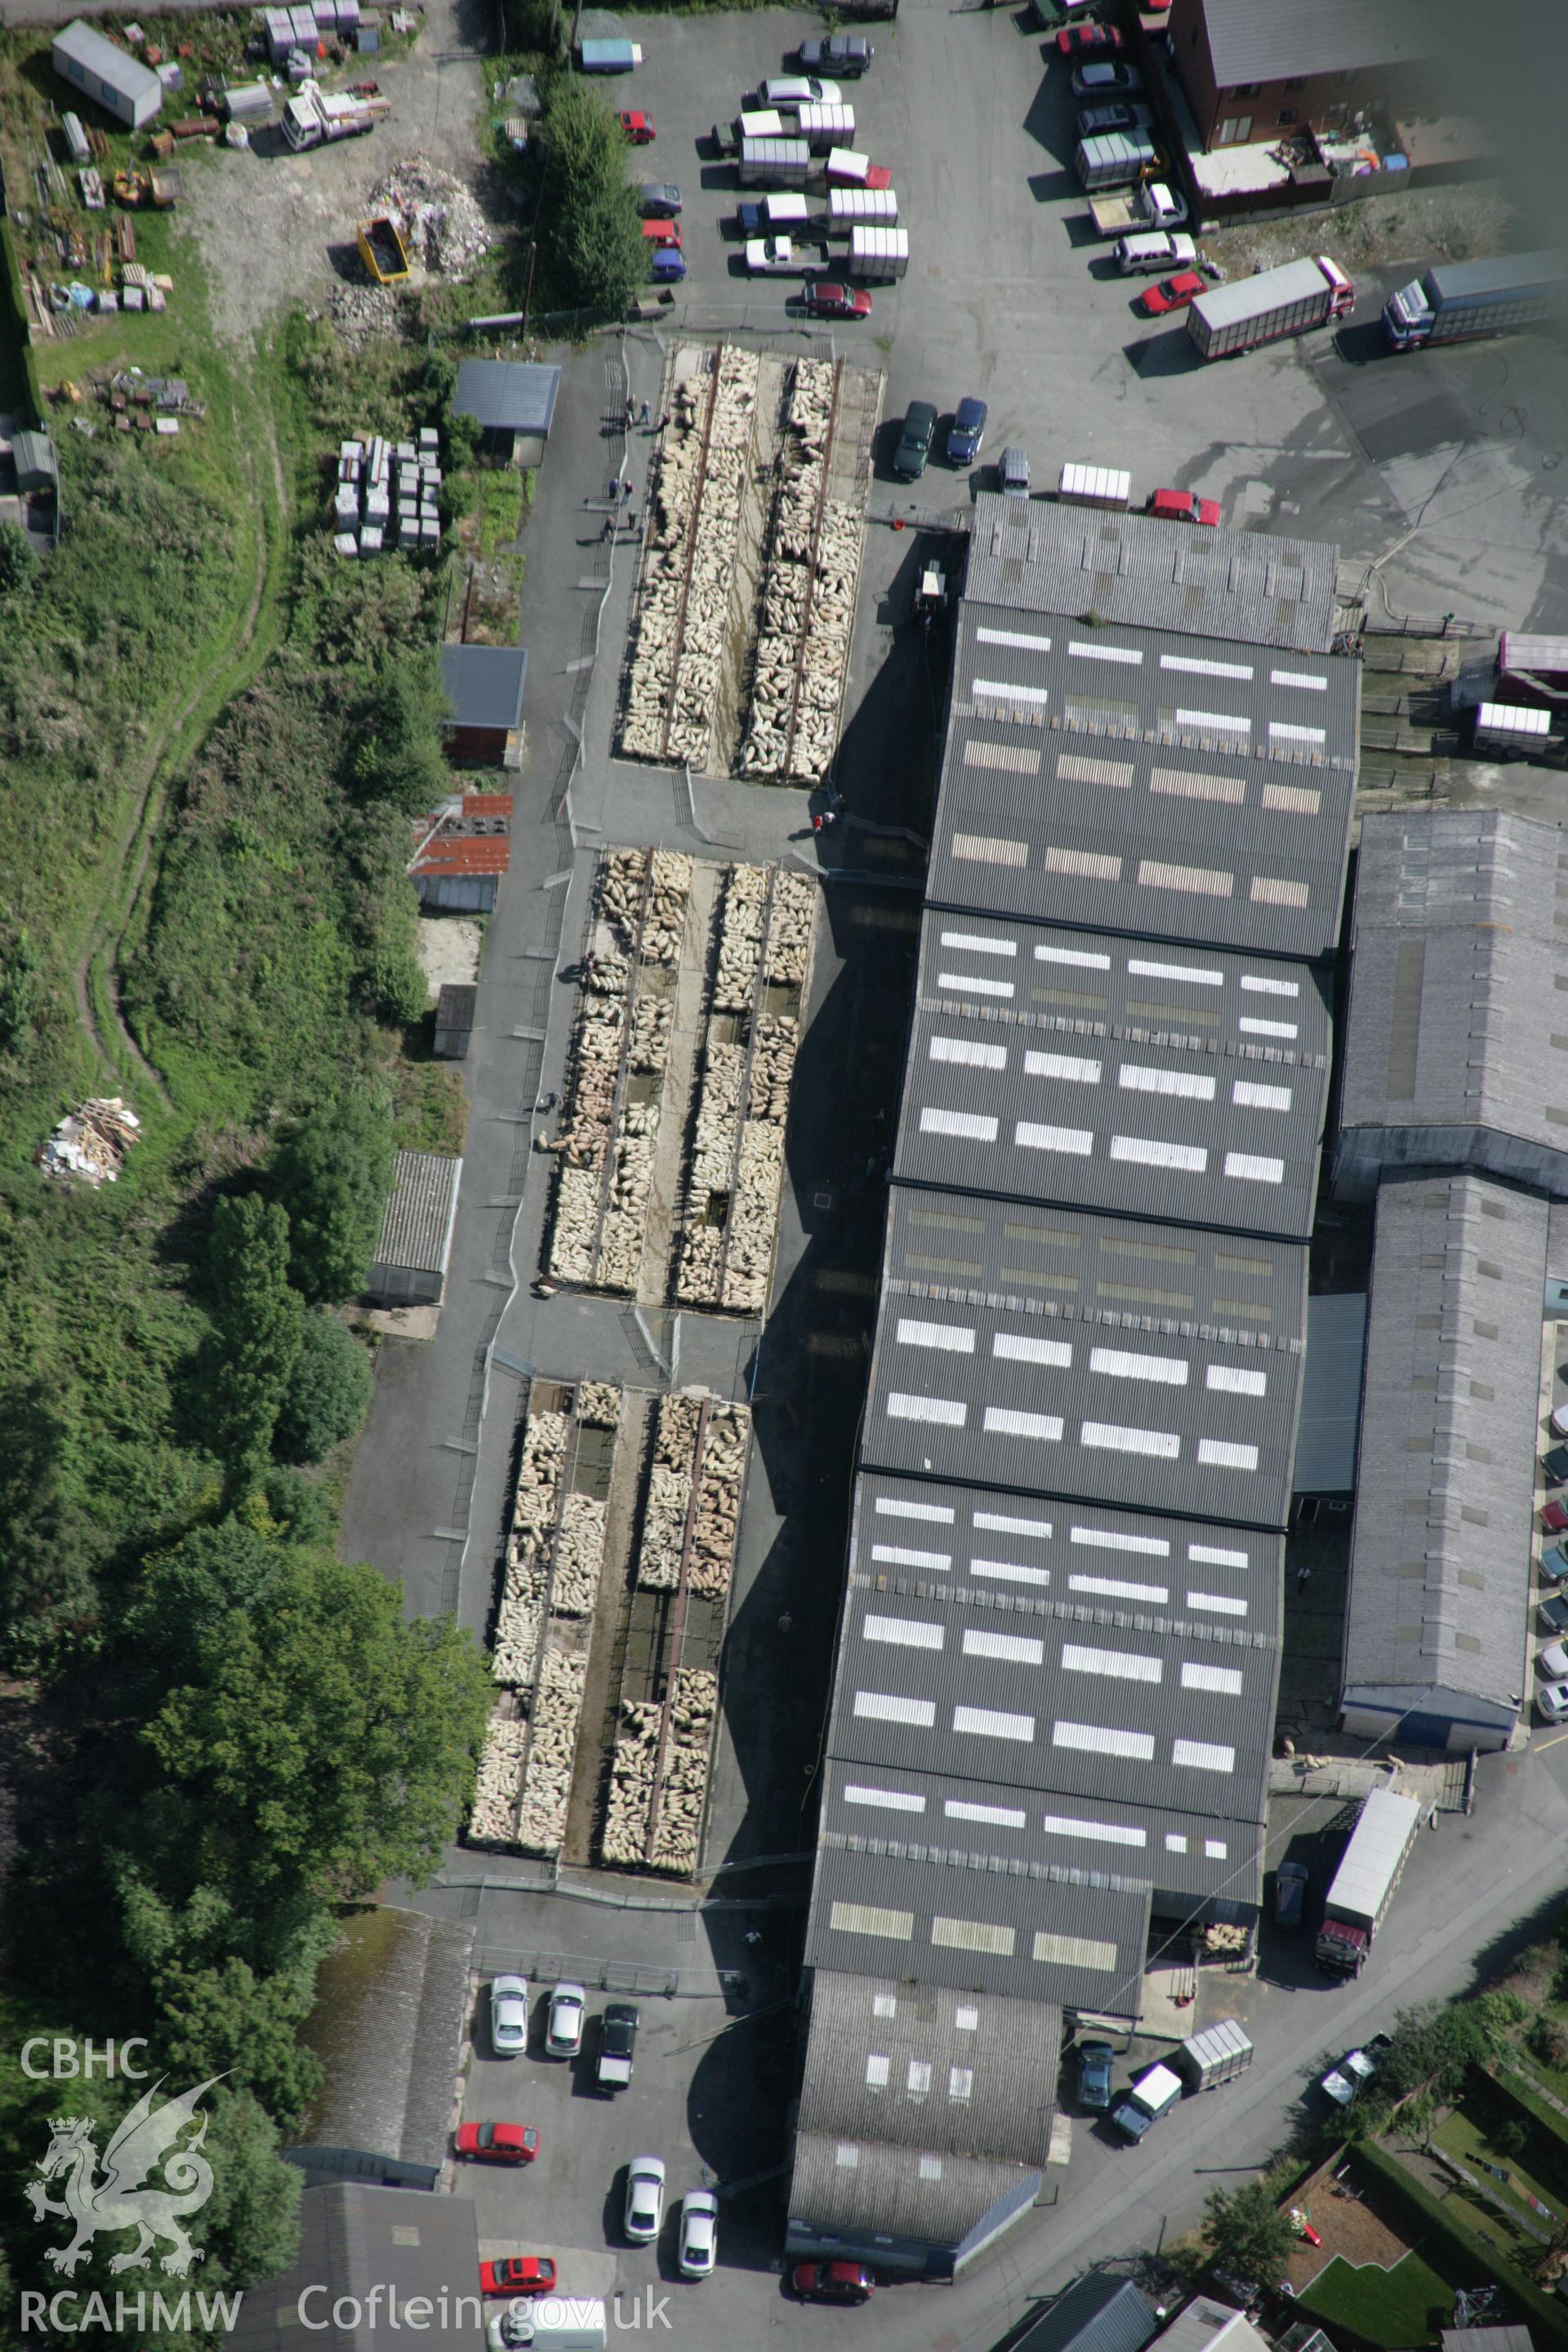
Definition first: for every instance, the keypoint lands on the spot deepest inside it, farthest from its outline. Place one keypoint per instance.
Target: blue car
(1554, 1564)
(966, 432)
(1094, 2063)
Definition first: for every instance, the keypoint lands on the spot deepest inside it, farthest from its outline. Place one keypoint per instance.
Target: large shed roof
(485, 684)
(1061, 1353)
(1052, 1064)
(508, 395)
(1257, 40)
(417, 1225)
(1147, 572)
(1440, 1563)
(1456, 979)
(1096, 2313)
(1135, 781)
(92, 50)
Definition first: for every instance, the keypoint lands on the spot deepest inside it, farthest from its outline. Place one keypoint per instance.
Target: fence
(610, 1976)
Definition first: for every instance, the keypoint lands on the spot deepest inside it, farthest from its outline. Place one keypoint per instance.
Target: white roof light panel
(895, 1506)
(887, 1707)
(967, 1055)
(956, 1338)
(906, 1632)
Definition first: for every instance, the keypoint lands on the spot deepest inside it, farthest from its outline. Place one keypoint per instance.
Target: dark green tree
(250, 2224)
(329, 1394)
(17, 560)
(227, 2021)
(299, 1511)
(49, 1548)
(18, 972)
(1245, 2233)
(257, 1316)
(322, 1745)
(396, 753)
(333, 1176)
(590, 238)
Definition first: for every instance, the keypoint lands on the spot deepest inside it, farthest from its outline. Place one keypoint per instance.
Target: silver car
(644, 2198)
(564, 2030)
(509, 2016)
(699, 2233)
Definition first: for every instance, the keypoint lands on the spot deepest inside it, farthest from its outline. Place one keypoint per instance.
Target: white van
(559, 2324)
(1155, 250)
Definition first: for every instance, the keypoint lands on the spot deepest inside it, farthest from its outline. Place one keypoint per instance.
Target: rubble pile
(607, 1154)
(551, 1749)
(364, 314)
(693, 1706)
(735, 1172)
(693, 533)
(493, 1820)
(442, 226)
(632, 1769)
(89, 1144)
(808, 597)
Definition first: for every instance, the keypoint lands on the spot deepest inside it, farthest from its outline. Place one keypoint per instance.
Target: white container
(1094, 486)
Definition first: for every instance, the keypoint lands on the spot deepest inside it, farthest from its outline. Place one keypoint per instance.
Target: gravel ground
(275, 227)
(1456, 224)
(1347, 2226)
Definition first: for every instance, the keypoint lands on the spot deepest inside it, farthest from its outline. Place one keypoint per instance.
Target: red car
(835, 301)
(1555, 1517)
(662, 232)
(833, 2282)
(1184, 506)
(1090, 40)
(1171, 293)
(637, 127)
(500, 2143)
(517, 2274)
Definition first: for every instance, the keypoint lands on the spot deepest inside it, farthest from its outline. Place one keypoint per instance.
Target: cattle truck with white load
(774, 163)
(1365, 1882)
(312, 117)
(875, 207)
(1114, 158)
(1299, 295)
(823, 127)
(1219, 2054)
(1457, 300)
(878, 256)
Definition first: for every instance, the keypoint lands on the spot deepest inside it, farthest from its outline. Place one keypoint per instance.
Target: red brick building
(1255, 69)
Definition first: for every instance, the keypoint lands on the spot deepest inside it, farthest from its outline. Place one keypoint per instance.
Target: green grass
(1402, 2307)
(1462, 2135)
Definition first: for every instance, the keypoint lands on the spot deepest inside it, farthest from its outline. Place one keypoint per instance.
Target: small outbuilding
(510, 400)
(1096, 2313)
(455, 1010)
(460, 851)
(484, 685)
(38, 467)
(411, 1257)
(373, 2264)
(120, 84)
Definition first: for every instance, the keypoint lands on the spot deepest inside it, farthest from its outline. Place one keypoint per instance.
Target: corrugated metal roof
(484, 684)
(1206, 2326)
(351, 2235)
(1133, 781)
(508, 395)
(457, 1005)
(388, 2023)
(1458, 976)
(893, 1905)
(1331, 1393)
(846, 2189)
(96, 55)
(1091, 1686)
(1259, 40)
(1096, 2314)
(1062, 1353)
(417, 1228)
(1440, 1562)
(922, 2066)
(1024, 1033)
(1147, 572)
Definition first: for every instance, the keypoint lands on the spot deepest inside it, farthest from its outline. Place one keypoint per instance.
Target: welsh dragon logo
(143, 2140)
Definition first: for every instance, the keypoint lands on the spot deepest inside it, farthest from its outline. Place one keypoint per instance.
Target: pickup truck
(1151, 204)
(1355, 2071)
(781, 257)
(617, 2041)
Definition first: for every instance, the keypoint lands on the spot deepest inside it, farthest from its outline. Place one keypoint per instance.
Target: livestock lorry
(1456, 301)
(1365, 1882)
(1219, 2054)
(1285, 301)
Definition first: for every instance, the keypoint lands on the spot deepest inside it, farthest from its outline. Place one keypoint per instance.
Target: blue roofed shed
(1096, 2314)
(484, 685)
(508, 397)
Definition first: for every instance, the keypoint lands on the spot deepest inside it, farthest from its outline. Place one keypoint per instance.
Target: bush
(329, 1394)
(332, 1177)
(18, 561)
(1245, 2232)
(590, 238)
(398, 985)
(1548, 2041)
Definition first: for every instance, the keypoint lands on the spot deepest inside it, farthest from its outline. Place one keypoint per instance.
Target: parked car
(1013, 473)
(498, 2143)
(508, 2015)
(914, 445)
(1095, 2060)
(1184, 506)
(834, 300)
(1555, 1465)
(833, 2282)
(841, 53)
(644, 2198)
(658, 200)
(635, 126)
(1104, 80)
(564, 2030)
(617, 2045)
(800, 89)
(662, 232)
(1091, 40)
(1096, 121)
(1555, 1517)
(699, 2233)
(1291, 1883)
(1560, 1420)
(1552, 1662)
(1552, 1612)
(1551, 1699)
(1151, 250)
(1355, 2071)
(966, 432)
(1173, 293)
(1554, 1563)
(517, 2274)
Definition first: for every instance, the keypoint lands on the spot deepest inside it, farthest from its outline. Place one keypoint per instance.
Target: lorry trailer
(1113, 159)
(1457, 300)
(1226, 320)
(878, 256)
(1219, 2054)
(609, 57)
(1365, 1882)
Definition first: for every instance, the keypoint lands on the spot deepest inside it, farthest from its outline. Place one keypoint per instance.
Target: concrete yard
(1438, 472)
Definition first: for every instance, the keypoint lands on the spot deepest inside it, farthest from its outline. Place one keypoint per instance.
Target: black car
(846, 55)
(914, 449)
(1552, 1612)
(617, 2045)
(1555, 1465)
